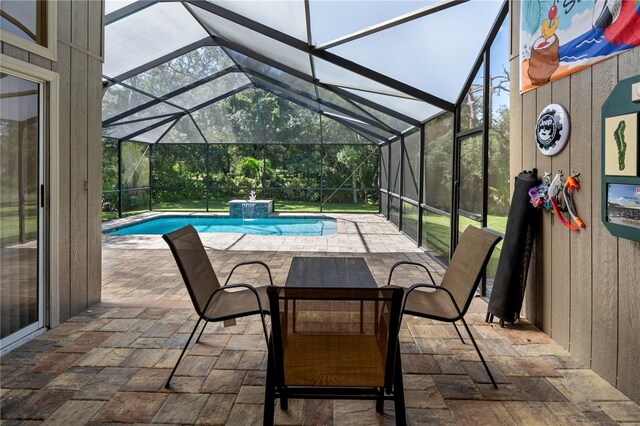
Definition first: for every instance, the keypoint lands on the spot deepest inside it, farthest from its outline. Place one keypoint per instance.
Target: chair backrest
(469, 260)
(335, 337)
(194, 265)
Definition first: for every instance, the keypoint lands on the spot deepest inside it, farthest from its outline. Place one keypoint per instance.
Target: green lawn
(437, 232)
(300, 206)
(280, 206)
(10, 225)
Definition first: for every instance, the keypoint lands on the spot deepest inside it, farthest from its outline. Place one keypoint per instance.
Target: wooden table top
(332, 272)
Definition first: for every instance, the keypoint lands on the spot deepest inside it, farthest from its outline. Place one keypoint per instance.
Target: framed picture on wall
(621, 145)
(623, 204)
(620, 148)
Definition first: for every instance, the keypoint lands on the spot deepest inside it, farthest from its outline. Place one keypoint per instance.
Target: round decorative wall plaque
(552, 129)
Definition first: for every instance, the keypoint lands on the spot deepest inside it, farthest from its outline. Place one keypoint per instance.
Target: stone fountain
(250, 208)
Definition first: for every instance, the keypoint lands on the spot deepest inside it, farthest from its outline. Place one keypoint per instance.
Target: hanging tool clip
(555, 190)
(572, 184)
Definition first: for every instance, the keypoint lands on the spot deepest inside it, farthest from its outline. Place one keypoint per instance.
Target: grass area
(109, 215)
(114, 215)
(437, 233)
(280, 206)
(301, 206)
(189, 205)
(10, 225)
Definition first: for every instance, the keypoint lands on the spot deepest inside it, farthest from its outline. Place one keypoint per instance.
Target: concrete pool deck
(357, 233)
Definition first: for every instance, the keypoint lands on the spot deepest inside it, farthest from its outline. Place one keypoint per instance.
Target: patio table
(331, 272)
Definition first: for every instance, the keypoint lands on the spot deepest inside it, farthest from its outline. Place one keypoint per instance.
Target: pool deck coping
(356, 233)
(114, 224)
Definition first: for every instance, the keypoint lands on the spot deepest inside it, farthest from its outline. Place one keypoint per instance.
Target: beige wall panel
(78, 290)
(514, 14)
(515, 125)
(64, 21)
(545, 265)
(63, 68)
(15, 52)
(629, 314)
(95, 28)
(561, 274)
(94, 178)
(39, 61)
(79, 27)
(529, 115)
(629, 282)
(604, 250)
(629, 64)
(580, 152)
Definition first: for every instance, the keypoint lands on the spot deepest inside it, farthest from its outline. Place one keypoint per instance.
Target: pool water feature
(292, 226)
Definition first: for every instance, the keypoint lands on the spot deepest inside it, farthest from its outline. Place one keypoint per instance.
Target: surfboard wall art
(560, 37)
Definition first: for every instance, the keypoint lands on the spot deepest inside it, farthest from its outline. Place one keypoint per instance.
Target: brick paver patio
(109, 363)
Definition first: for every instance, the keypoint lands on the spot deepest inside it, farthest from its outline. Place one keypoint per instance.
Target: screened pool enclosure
(398, 107)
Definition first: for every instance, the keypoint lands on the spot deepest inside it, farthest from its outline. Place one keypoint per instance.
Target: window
(20, 173)
(26, 19)
(29, 25)
(29, 94)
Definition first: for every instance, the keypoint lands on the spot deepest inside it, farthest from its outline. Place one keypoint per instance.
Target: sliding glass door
(21, 286)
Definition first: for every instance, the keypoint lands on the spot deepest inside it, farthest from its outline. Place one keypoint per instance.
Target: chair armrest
(406, 262)
(253, 262)
(247, 286)
(433, 286)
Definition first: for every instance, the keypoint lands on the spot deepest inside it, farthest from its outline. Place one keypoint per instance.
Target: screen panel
(181, 71)
(235, 33)
(399, 51)
(411, 160)
(149, 34)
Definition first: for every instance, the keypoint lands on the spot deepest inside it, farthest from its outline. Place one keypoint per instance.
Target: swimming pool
(296, 226)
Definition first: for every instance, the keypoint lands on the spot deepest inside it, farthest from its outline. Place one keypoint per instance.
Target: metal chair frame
(460, 311)
(226, 286)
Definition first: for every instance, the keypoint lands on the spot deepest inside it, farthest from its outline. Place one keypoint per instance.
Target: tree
(354, 159)
(473, 104)
(178, 172)
(439, 161)
(499, 170)
(472, 115)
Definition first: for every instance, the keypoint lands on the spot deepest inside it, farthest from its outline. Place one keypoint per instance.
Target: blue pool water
(268, 226)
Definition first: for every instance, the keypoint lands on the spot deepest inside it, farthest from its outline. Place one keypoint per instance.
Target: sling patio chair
(334, 343)
(211, 301)
(450, 300)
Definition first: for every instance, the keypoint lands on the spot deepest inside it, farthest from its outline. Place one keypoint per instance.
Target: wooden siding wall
(79, 64)
(585, 287)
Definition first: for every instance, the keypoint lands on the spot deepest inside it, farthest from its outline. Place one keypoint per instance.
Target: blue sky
(622, 194)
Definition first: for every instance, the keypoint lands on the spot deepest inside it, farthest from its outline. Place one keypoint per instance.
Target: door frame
(49, 167)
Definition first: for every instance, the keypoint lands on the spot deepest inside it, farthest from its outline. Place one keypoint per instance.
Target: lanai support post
(151, 177)
(119, 178)
(421, 199)
(206, 177)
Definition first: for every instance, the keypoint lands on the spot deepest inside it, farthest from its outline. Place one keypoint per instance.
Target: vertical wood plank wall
(585, 288)
(79, 64)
